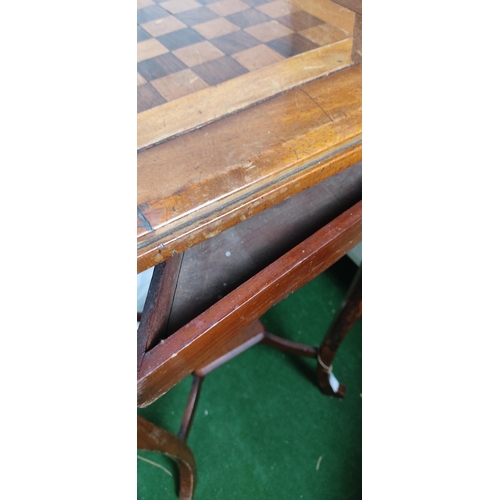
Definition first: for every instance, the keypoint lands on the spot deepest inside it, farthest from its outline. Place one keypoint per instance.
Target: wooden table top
(241, 104)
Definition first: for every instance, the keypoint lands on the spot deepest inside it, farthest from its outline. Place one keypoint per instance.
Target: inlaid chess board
(200, 59)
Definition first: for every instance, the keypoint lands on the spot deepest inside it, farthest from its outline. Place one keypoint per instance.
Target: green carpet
(262, 429)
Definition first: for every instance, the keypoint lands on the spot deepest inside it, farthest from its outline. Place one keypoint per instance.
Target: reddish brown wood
(347, 316)
(153, 438)
(289, 346)
(203, 182)
(251, 335)
(218, 265)
(192, 403)
(154, 318)
(248, 337)
(190, 347)
(245, 339)
(229, 215)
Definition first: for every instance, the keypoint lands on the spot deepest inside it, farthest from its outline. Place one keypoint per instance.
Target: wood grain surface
(192, 47)
(153, 438)
(196, 185)
(189, 348)
(218, 265)
(154, 318)
(357, 40)
(207, 105)
(354, 5)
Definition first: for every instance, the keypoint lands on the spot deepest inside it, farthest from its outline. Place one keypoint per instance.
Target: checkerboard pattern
(187, 45)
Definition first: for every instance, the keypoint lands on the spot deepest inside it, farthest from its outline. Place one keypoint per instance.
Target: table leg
(347, 316)
(187, 419)
(153, 438)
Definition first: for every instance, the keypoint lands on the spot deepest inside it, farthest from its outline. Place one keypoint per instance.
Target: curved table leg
(349, 313)
(153, 438)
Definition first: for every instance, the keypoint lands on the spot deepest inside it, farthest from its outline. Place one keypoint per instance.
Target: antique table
(249, 173)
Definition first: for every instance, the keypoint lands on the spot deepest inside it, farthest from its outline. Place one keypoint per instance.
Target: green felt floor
(262, 429)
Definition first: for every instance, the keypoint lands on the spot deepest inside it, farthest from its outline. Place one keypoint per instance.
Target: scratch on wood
(279, 138)
(285, 143)
(317, 103)
(248, 165)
